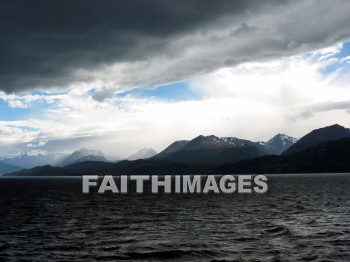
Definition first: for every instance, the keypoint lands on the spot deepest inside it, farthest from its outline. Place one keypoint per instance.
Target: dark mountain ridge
(30, 161)
(317, 137)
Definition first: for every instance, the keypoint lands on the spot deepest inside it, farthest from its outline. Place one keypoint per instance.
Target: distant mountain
(30, 161)
(7, 168)
(143, 154)
(83, 155)
(278, 144)
(329, 157)
(317, 137)
(207, 150)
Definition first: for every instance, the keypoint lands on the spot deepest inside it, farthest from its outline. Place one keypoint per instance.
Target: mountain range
(30, 161)
(215, 150)
(322, 150)
(207, 150)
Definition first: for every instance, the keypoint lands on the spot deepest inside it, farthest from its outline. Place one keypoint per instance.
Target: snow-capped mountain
(143, 154)
(279, 143)
(274, 146)
(243, 142)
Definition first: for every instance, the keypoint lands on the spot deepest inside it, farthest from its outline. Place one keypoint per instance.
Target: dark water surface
(301, 218)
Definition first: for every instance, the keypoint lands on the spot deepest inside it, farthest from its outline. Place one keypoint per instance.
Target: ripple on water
(299, 219)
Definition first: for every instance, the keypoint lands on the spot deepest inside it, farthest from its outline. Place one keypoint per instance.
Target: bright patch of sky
(181, 91)
(25, 128)
(334, 59)
(9, 113)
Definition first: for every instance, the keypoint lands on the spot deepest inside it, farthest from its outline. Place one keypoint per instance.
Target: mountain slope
(317, 137)
(7, 168)
(90, 158)
(143, 154)
(176, 146)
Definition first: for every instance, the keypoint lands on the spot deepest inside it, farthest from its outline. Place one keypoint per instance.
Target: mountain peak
(279, 143)
(207, 138)
(143, 153)
(204, 141)
(336, 126)
(283, 137)
(81, 155)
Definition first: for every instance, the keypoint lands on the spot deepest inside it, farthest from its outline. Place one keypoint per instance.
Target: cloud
(60, 44)
(243, 29)
(309, 111)
(37, 144)
(11, 133)
(37, 152)
(254, 100)
(17, 104)
(103, 94)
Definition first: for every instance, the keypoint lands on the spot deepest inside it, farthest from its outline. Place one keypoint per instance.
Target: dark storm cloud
(42, 42)
(58, 43)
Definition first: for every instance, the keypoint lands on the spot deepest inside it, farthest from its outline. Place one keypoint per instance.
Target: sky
(123, 75)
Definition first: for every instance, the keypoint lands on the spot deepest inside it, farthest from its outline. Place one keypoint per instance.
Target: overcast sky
(122, 75)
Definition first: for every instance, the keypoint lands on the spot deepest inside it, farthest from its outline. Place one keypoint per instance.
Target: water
(301, 218)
